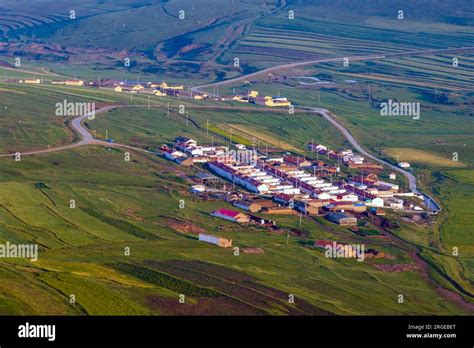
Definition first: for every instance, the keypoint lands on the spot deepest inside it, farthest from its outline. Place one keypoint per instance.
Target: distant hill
(459, 12)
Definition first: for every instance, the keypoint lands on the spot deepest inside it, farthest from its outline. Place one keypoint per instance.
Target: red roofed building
(282, 198)
(297, 161)
(231, 215)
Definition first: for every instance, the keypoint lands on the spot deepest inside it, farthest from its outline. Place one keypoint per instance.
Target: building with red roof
(231, 215)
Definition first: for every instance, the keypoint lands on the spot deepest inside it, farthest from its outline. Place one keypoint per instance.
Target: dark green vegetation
(445, 130)
(135, 204)
(77, 248)
(212, 33)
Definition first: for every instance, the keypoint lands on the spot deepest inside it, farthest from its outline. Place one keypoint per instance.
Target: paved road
(326, 60)
(86, 138)
(332, 119)
(430, 202)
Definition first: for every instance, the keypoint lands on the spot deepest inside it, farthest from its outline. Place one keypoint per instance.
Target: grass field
(120, 252)
(130, 205)
(419, 156)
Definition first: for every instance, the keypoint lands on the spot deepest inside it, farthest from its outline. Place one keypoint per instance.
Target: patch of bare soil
(131, 214)
(184, 226)
(190, 48)
(253, 250)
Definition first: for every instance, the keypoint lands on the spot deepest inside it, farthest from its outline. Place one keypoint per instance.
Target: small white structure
(392, 176)
(323, 196)
(404, 165)
(194, 151)
(394, 203)
(198, 188)
(175, 155)
(240, 146)
(219, 241)
(375, 202)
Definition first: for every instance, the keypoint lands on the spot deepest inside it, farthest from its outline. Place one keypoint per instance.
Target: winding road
(332, 119)
(432, 205)
(329, 60)
(86, 138)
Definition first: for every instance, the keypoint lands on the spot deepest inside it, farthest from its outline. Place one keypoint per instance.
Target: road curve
(86, 138)
(332, 119)
(327, 60)
(430, 202)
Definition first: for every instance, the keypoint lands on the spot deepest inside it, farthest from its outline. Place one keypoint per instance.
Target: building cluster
(158, 89)
(187, 151)
(253, 98)
(235, 216)
(288, 185)
(277, 101)
(36, 81)
(68, 82)
(293, 182)
(345, 156)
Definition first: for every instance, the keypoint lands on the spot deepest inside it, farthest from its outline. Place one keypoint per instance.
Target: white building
(194, 151)
(404, 165)
(175, 155)
(394, 203)
(198, 188)
(375, 202)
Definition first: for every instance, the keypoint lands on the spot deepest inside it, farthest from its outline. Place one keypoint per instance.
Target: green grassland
(153, 127)
(135, 205)
(123, 205)
(445, 128)
(333, 30)
(76, 245)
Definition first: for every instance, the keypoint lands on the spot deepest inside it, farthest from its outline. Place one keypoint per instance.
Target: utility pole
(207, 127)
(168, 109)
